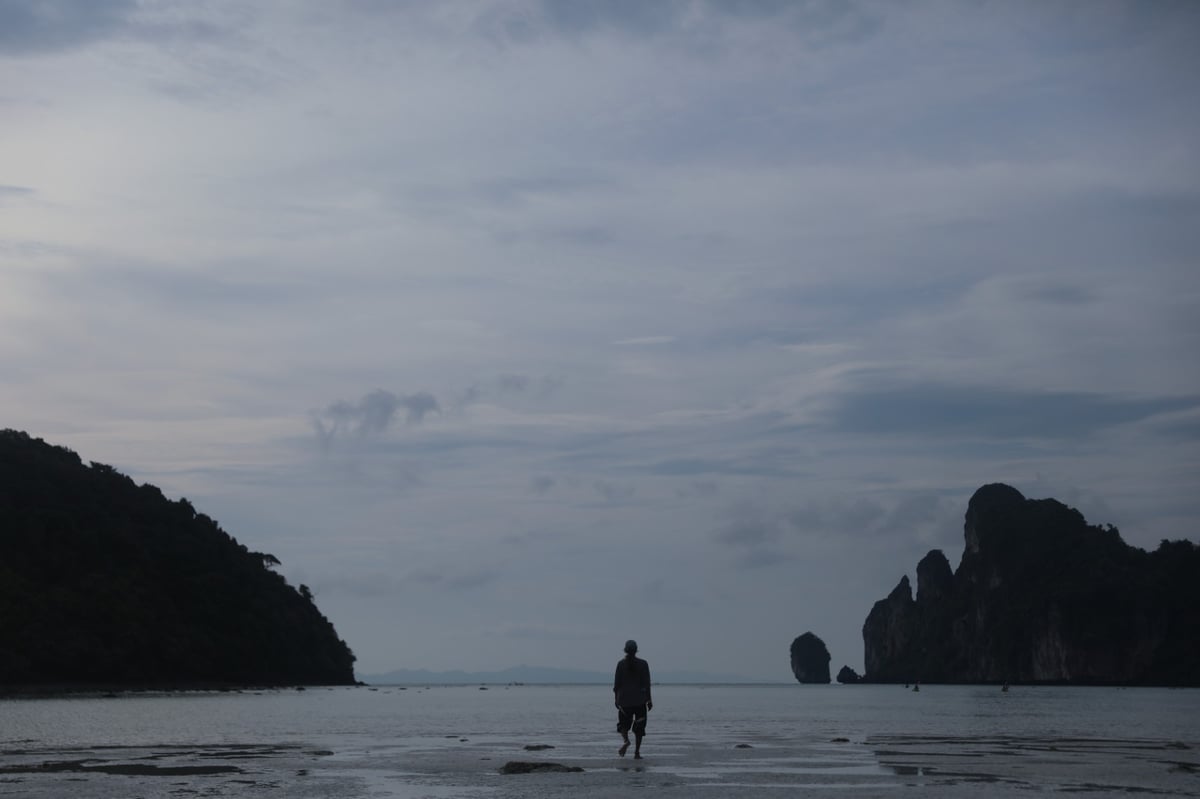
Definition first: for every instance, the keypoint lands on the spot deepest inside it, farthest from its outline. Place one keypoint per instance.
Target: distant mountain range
(538, 675)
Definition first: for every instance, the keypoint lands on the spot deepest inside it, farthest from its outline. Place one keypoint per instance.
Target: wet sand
(674, 766)
(705, 741)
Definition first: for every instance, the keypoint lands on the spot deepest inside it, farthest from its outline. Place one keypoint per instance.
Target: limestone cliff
(1041, 596)
(810, 659)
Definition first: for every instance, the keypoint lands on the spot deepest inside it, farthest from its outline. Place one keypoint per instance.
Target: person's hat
(631, 646)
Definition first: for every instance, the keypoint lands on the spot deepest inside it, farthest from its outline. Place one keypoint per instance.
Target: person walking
(631, 694)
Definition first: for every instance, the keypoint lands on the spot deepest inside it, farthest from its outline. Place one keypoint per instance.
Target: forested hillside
(103, 581)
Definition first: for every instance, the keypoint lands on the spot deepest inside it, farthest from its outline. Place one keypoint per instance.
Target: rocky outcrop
(847, 676)
(810, 659)
(1041, 596)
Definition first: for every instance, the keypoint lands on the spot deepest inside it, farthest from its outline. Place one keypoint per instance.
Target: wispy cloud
(991, 412)
(47, 25)
(371, 415)
(13, 193)
(36, 27)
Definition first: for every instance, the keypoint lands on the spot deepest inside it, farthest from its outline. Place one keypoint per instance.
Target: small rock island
(848, 676)
(810, 659)
(1041, 596)
(104, 582)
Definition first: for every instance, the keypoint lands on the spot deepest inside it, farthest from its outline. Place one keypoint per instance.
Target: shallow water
(706, 741)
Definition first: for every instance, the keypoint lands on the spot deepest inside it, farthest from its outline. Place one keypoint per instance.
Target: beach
(729, 741)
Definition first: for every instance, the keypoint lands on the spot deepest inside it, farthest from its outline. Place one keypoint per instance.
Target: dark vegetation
(105, 582)
(810, 659)
(1041, 596)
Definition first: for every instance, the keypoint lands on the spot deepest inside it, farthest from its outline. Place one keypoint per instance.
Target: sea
(444, 742)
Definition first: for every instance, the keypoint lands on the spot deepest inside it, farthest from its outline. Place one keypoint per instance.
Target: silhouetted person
(631, 693)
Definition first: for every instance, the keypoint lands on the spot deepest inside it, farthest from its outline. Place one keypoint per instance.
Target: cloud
(377, 585)
(12, 193)
(533, 631)
(614, 491)
(189, 289)
(372, 415)
(1057, 293)
(29, 27)
(511, 387)
(763, 557)
(627, 16)
(698, 488)
(523, 190)
(450, 581)
(418, 405)
(580, 235)
(853, 518)
(788, 530)
(699, 23)
(1184, 427)
(644, 341)
(757, 461)
(941, 410)
(37, 27)
(513, 382)
(752, 531)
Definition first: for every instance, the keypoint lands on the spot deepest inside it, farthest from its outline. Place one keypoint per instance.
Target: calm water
(707, 741)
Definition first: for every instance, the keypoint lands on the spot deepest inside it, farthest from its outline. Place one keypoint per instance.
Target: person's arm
(649, 700)
(617, 686)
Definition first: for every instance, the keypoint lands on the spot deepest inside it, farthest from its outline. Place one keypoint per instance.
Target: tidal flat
(727, 741)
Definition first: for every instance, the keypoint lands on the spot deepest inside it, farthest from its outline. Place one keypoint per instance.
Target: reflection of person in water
(631, 693)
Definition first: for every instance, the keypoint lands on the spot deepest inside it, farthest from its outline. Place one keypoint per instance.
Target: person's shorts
(632, 717)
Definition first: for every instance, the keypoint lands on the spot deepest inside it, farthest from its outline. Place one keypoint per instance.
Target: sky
(517, 329)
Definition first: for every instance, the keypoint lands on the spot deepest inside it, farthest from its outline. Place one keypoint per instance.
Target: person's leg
(624, 721)
(639, 732)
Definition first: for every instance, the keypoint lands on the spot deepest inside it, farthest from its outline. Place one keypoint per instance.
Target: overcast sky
(517, 329)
